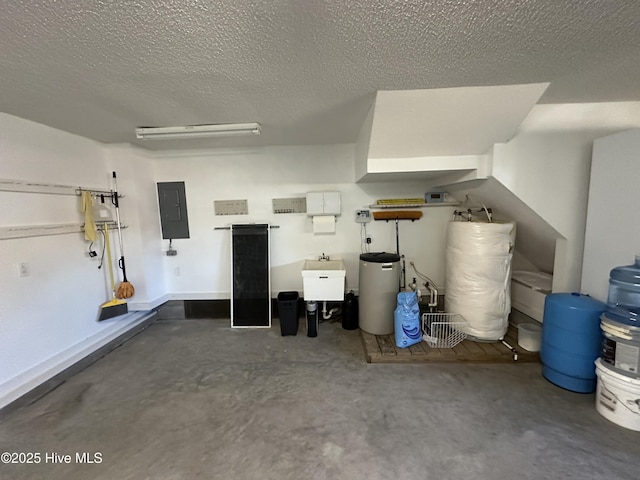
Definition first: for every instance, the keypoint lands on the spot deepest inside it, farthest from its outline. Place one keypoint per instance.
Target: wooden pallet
(382, 349)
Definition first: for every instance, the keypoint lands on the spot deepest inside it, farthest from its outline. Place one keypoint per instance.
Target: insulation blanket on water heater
(478, 275)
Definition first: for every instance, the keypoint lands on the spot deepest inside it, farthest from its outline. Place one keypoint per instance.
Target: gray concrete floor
(190, 399)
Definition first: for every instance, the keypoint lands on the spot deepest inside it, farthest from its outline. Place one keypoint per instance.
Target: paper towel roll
(324, 224)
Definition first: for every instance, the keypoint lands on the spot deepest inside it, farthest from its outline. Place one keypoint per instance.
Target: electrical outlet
(363, 216)
(177, 271)
(369, 240)
(23, 269)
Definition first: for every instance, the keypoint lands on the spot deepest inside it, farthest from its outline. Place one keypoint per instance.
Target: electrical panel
(173, 210)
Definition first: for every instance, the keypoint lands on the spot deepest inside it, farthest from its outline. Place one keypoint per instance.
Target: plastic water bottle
(623, 302)
(407, 328)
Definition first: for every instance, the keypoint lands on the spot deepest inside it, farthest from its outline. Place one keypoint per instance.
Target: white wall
(259, 175)
(613, 228)
(142, 240)
(547, 166)
(48, 319)
(549, 172)
(362, 143)
(448, 122)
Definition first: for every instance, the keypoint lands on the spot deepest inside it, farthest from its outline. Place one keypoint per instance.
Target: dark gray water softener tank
(379, 285)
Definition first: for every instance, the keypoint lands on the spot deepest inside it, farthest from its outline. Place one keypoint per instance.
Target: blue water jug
(407, 328)
(623, 302)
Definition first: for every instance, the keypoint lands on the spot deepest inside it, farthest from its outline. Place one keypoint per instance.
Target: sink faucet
(323, 257)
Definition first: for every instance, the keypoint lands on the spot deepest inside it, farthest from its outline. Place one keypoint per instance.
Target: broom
(125, 289)
(113, 307)
(399, 215)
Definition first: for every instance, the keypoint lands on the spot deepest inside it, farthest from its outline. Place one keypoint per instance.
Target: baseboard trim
(150, 305)
(42, 388)
(199, 296)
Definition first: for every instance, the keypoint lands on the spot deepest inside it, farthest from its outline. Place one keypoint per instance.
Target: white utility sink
(323, 265)
(323, 280)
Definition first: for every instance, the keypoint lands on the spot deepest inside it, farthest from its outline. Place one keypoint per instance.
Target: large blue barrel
(571, 340)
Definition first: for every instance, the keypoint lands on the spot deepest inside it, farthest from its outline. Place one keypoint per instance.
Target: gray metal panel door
(173, 210)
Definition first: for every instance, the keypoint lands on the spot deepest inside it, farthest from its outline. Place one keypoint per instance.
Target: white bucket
(617, 397)
(621, 346)
(529, 336)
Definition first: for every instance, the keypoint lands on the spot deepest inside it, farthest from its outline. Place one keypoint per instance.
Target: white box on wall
(323, 203)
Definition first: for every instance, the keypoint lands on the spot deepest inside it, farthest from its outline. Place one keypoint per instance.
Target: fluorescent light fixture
(198, 131)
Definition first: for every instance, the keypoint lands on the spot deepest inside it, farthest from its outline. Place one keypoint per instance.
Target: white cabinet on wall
(323, 203)
(612, 235)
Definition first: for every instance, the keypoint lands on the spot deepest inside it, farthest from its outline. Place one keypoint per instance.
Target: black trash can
(288, 312)
(350, 312)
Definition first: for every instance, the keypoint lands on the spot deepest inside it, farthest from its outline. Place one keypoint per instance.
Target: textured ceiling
(305, 69)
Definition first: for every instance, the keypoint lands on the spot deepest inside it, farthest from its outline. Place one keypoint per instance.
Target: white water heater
(478, 275)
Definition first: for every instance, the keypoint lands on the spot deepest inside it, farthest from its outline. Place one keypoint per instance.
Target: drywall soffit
(448, 121)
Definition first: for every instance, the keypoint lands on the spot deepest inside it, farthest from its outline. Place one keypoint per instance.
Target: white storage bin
(528, 292)
(530, 336)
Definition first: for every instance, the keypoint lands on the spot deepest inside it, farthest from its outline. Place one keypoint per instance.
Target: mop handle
(115, 202)
(107, 244)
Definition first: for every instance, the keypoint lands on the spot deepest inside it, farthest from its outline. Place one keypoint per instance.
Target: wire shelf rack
(443, 330)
